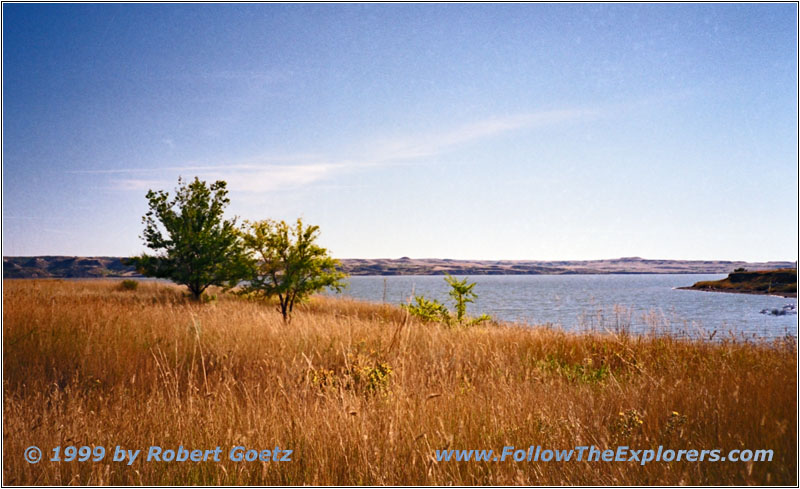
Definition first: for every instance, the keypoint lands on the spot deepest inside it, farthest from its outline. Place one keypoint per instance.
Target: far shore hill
(110, 267)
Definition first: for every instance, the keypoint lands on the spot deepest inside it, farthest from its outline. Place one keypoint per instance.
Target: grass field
(363, 395)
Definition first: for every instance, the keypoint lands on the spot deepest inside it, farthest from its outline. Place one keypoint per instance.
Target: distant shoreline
(777, 282)
(113, 267)
(788, 295)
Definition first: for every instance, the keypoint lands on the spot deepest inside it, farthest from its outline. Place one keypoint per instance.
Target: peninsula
(782, 281)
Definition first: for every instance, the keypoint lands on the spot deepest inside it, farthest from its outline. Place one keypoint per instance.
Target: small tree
(435, 311)
(196, 246)
(462, 293)
(287, 263)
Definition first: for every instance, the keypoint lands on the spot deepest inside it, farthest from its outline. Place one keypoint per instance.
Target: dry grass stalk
(363, 394)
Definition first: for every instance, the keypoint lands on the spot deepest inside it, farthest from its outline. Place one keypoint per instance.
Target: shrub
(129, 285)
(428, 310)
(435, 311)
(362, 372)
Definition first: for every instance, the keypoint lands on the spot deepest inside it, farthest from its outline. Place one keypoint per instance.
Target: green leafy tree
(195, 246)
(287, 263)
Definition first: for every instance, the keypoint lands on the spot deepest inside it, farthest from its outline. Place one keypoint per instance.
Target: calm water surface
(638, 303)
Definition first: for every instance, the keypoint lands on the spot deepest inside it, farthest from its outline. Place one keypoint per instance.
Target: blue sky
(493, 131)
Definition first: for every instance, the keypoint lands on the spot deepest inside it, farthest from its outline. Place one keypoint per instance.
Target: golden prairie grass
(363, 395)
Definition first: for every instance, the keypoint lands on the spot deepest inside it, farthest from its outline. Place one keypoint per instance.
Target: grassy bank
(777, 282)
(363, 395)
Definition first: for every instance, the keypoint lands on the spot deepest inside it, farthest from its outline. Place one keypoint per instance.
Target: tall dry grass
(364, 396)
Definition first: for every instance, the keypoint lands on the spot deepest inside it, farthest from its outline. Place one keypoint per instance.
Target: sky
(464, 131)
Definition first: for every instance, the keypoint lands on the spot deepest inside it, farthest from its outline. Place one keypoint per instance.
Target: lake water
(638, 303)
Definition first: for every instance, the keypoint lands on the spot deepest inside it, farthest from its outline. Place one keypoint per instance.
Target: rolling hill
(106, 266)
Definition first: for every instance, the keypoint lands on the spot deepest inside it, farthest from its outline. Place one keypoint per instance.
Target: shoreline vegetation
(114, 267)
(781, 282)
(365, 393)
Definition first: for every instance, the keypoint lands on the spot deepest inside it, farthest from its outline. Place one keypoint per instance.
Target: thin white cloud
(271, 173)
(426, 145)
(58, 231)
(241, 178)
(274, 177)
(252, 164)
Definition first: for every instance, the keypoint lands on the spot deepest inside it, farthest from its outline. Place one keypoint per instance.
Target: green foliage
(375, 378)
(195, 246)
(362, 373)
(435, 311)
(129, 285)
(479, 319)
(368, 373)
(582, 373)
(428, 310)
(285, 261)
(462, 294)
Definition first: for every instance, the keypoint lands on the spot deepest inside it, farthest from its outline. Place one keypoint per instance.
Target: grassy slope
(85, 362)
(782, 281)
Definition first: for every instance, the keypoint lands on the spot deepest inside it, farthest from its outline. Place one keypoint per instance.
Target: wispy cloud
(63, 232)
(252, 164)
(271, 173)
(273, 177)
(425, 145)
(243, 178)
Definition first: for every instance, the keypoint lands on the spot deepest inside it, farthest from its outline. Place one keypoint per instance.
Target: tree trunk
(197, 291)
(284, 308)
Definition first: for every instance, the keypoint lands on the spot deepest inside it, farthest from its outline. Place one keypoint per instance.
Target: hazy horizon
(462, 131)
(465, 259)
